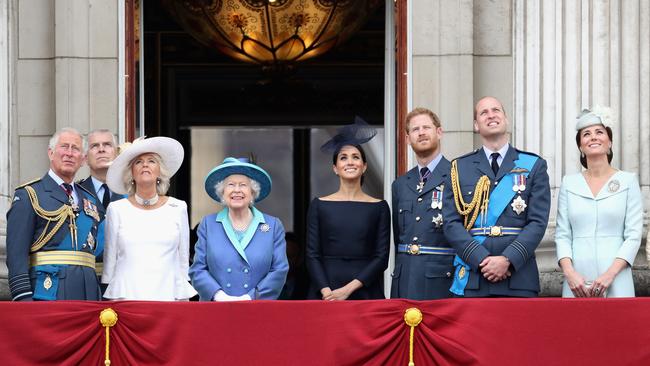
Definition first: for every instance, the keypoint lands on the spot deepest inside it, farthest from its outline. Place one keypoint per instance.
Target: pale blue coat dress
(593, 231)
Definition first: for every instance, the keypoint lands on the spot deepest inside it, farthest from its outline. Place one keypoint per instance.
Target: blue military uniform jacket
(24, 227)
(90, 187)
(417, 221)
(520, 248)
(258, 267)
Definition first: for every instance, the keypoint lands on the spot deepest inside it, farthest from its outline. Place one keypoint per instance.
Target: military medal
(436, 199)
(519, 182)
(518, 205)
(265, 228)
(613, 186)
(420, 186)
(461, 273)
(437, 220)
(47, 283)
(91, 210)
(90, 240)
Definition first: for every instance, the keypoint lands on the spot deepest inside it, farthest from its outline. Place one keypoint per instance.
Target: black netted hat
(354, 134)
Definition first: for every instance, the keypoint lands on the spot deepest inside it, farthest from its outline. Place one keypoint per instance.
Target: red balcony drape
(453, 332)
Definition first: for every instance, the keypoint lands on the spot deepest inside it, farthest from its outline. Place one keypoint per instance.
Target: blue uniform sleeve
(270, 286)
(21, 225)
(520, 250)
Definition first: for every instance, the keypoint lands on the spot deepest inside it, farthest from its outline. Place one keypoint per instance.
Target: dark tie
(68, 190)
(495, 164)
(424, 174)
(107, 196)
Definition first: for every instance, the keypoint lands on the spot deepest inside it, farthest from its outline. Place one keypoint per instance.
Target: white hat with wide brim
(170, 151)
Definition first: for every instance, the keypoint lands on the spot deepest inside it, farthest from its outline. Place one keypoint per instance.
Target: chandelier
(271, 32)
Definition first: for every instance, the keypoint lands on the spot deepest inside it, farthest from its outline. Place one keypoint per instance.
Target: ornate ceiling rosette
(271, 32)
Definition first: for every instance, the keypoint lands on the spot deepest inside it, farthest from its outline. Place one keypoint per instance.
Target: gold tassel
(108, 318)
(412, 317)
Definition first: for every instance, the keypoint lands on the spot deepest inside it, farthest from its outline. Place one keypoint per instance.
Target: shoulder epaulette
(83, 188)
(527, 152)
(466, 155)
(27, 184)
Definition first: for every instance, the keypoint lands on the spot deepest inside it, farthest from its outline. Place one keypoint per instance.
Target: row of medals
(436, 202)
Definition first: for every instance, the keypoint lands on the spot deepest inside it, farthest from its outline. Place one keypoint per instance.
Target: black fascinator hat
(354, 134)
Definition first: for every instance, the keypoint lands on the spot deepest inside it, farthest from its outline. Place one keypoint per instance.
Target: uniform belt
(495, 231)
(63, 257)
(99, 268)
(417, 249)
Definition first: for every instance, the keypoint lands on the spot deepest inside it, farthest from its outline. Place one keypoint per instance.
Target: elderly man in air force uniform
(52, 230)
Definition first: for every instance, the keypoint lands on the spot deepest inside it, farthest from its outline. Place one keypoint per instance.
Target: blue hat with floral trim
(242, 166)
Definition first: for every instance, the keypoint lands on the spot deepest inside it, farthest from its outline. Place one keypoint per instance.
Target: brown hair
(420, 111)
(583, 158)
(503, 109)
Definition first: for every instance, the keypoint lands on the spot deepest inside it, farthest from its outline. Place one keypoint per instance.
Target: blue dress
(348, 240)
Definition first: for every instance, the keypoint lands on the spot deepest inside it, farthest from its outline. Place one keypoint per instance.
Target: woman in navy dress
(348, 231)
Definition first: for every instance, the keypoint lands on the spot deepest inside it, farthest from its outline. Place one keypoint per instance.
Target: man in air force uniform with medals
(496, 212)
(52, 230)
(423, 260)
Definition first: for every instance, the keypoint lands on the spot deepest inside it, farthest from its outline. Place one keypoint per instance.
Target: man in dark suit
(424, 258)
(102, 150)
(52, 230)
(496, 211)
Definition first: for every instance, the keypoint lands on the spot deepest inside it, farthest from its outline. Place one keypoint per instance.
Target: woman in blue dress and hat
(599, 217)
(241, 252)
(348, 233)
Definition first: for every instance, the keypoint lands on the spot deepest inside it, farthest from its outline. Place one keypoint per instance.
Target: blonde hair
(162, 184)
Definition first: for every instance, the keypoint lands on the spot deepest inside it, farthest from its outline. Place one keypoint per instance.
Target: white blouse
(146, 252)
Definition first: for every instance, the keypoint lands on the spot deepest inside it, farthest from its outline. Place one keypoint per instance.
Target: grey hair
(255, 189)
(100, 130)
(54, 140)
(162, 186)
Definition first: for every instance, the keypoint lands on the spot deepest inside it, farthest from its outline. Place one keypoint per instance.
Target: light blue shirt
(98, 188)
(502, 153)
(433, 164)
(60, 181)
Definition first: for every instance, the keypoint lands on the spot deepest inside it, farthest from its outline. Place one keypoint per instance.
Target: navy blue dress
(348, 240)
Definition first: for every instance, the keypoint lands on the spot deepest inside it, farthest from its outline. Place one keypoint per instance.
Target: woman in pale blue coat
(600, 217)
(241, 252)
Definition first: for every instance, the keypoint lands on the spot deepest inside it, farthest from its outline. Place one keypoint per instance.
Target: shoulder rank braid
(479, 201)
(59, 216)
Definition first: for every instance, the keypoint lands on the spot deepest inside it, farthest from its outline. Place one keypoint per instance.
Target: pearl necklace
(143, 202)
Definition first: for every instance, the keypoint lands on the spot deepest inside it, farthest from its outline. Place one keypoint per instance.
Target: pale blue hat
(242, 166)
(598, 115)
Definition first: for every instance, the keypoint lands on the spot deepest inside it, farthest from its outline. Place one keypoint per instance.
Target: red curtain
(453, 332)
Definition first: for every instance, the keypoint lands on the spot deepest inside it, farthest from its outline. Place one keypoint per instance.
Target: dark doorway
(219, 107)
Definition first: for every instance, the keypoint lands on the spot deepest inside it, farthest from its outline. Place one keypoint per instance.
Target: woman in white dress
(146, 251)
(600, 217)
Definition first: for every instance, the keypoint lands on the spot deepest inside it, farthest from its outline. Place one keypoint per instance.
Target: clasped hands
(333, 295)
(495, 268)
(222, 296)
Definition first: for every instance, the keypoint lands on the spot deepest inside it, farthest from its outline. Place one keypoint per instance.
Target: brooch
(265, 228)
(613, 186)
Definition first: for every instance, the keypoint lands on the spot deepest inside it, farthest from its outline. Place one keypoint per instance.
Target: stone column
(61, 70)
(570, 55)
